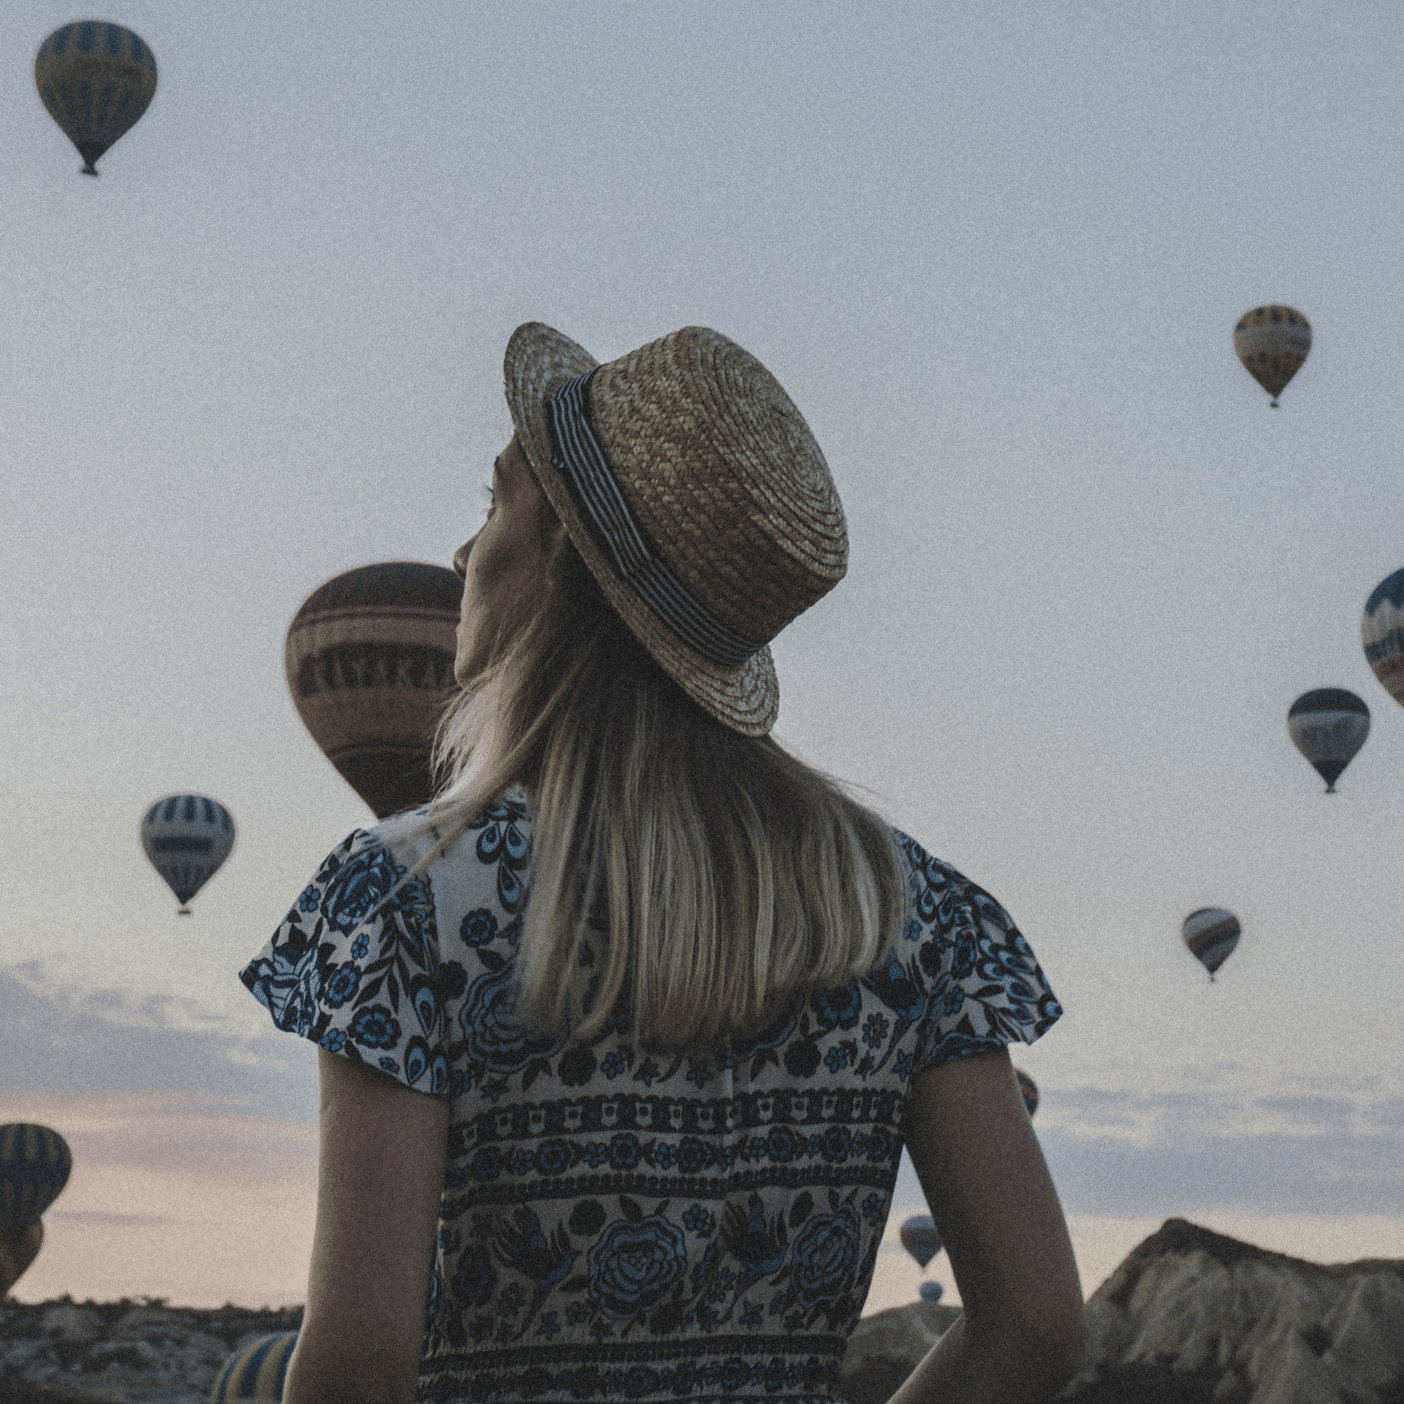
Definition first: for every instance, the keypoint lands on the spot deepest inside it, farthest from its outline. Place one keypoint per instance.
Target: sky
(995, 253)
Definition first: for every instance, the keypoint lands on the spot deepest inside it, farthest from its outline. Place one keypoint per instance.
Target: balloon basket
(184, 911)
(931, 1291)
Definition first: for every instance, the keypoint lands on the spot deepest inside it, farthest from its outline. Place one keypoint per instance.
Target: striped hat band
(580, 460)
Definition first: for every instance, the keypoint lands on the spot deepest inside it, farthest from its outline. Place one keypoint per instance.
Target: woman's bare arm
(380, 1174)
(1020, 1337)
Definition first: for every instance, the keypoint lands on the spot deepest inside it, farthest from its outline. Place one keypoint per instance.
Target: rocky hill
(141, 1352)
(1190, 1317)
(1193, 1317)
(1216, 1319)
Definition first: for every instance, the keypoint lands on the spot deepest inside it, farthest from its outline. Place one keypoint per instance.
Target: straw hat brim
(538, 362)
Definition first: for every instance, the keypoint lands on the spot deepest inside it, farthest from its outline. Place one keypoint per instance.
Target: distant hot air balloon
(1272, 342)
(1382, 633)
(34, 1166)
(930, 1291)
(1211, 933)
(187, 837)
(919, 1237)
(1028, 1090)
(1328, 726)
(96, 79)
(257, 1371)
(369, 661)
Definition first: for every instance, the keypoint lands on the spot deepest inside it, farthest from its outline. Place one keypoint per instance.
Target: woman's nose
(460, 558)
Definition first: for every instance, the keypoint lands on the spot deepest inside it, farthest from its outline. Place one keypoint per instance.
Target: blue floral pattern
(618, 1224)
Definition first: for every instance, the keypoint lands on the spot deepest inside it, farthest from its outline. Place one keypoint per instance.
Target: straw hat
(694, 492)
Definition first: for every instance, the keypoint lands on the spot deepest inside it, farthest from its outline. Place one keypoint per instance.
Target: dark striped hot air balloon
(257, 1371)
(1328, 726)
(1382, 634)
(1211, 933)
(187, 837)
(1272, 342)
(369, 661)
(34, 1166)
(96, 79)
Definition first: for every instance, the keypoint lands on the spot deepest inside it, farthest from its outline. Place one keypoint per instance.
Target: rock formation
(1190, 1317)
(886, 1345)
(1194, 1317)
(1219, 1320)
(136, 1352)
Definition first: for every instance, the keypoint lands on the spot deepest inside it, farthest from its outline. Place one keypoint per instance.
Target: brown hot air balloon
(1272, 342)
(369, 660)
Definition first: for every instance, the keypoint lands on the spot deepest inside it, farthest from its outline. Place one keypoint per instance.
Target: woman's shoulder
(447, 847)
(938, 887)
(445, 830)
(961, 970)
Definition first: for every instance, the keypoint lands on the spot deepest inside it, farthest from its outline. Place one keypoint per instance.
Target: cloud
(1314, 1152)
(159, 1078)
(97, 1218)
(107, 1042)
(1317, 1151)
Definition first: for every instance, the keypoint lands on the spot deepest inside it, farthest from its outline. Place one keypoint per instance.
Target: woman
(647, 1123)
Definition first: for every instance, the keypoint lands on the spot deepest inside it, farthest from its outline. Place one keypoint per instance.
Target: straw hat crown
(723, 479)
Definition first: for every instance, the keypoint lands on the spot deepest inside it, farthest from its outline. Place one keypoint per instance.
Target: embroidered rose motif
(362, 884)
(496, 1036)
(633, 1265)
(826, 1257)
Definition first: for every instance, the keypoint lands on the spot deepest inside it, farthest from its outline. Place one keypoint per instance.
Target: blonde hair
(684, 876)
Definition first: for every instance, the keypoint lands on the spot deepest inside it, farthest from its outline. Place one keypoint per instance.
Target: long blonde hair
(691, 877)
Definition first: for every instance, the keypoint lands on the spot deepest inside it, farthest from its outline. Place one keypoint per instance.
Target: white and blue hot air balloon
(257, 1372)
(187, 837)
(1382, 634)
(1328, 726)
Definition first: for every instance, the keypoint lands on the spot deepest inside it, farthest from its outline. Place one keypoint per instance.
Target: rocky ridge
(1223, 1321)
(1194, 1317)
(1190, 1317)
(134, 1352)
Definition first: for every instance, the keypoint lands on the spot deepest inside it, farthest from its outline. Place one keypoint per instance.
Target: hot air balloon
(1328, 726)
(1272, 342)
(1211, 933)
(1382, 633)
(257, 1371)
(34, 1166)
(17, 1253)
(96, 79)
(1028, 1090)
(187, 837)
(369, 661)
(930, 1291)
(919, 1237)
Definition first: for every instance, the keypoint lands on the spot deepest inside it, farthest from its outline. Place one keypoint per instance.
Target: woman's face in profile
(500, 566)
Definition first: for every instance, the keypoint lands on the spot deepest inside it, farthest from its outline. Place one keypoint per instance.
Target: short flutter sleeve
(972, 982)
(354, 965)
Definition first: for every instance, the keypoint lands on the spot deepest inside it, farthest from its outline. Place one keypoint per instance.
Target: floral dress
(617, 1225)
